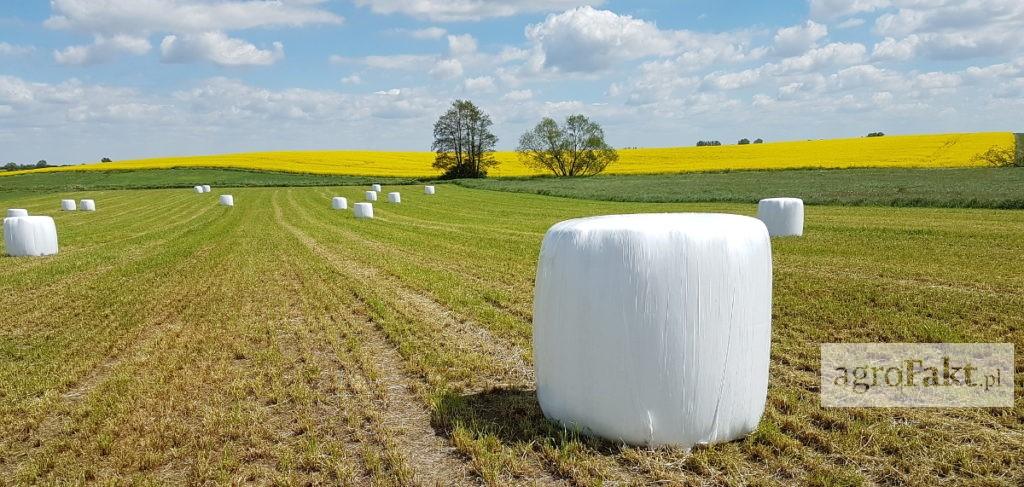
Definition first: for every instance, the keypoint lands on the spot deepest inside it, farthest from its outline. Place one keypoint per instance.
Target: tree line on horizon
(464, 145)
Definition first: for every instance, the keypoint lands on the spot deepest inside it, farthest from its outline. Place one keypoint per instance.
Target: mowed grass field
(280, 342)
(935, 150)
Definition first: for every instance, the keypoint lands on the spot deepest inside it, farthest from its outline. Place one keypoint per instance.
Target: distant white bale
(339, 203)
(654, 329)
(206, 188)
(227, 200)
(371, 196)
(87, 205)
(784, 217)
(68, 205)
(30, 236)
(394, 197)
(363, 210)
(428, 190)
(376, 187)
(199, 189)
(16, 212)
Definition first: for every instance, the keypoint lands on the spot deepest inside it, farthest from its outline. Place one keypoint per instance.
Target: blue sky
(85, 79)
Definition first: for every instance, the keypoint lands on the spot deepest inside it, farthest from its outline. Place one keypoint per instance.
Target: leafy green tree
(463, 142)
(744, 142)
(576, 148)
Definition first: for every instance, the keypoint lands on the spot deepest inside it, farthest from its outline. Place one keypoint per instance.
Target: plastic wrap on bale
(394, 197)
(654, 329)
(198, 189)
(429, 190)
(784, 217)
(363, 210)
(206, 188)
(371, 196)
(30, 236)
(227, 200)
(376, 187)
(16, 212)
(87, 205)
(68, 205)
(339, 203)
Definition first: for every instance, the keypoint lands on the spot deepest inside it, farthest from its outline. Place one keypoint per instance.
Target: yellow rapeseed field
(943, 150)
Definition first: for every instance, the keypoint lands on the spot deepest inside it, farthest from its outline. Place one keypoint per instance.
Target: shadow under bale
(510, 415)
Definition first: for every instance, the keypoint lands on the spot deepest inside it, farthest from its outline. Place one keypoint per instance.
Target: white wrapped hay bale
(206, 188)
(16, 212)
(784, 217)
(87, 205)
(371, 196)
(428, 190)
(227, 200)
(30, 236)
(376, 187)
(199, 189)
(654, 329)
(68, 205)
(394, 198)
(339, 203)
(363, 210)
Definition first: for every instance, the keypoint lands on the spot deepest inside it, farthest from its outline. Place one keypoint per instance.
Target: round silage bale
(339, 203)
(68, 205)
(363, 210)
(198, 189)
(428, 190)
(784, 217)
(206, 188)
(16, 212)
(376, 187)
(30, 236)
(227, 200)
(87, 205)
(371, 196)
(394, 198)
(654, 329)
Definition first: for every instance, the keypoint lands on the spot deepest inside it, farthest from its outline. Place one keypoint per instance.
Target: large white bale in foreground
(654, 329)
(363, 210)
(68, 205)
(371, 196)
(784, 217)
(30, 236)
(227, 200)
(394, 197)
(199, 189)
(16, 212)
(339, 203)
(206, 188)
(428, 190)
(87, 205)
(376, 187)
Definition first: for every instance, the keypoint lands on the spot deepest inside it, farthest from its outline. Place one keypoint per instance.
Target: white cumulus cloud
(217, 48)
